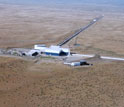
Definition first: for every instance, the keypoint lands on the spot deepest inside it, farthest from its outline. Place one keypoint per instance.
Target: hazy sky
(36, 2)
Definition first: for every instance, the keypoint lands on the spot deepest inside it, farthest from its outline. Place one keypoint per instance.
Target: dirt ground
(25, 83)
(22, 26)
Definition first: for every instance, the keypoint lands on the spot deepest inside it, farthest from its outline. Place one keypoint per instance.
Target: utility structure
(76, 44)
(80, 30)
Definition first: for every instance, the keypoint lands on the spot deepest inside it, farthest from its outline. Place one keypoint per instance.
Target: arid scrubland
(22, 26)
(24, 83)
(46, 86)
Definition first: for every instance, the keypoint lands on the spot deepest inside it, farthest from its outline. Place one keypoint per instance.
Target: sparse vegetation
(99, 85)
(47, 57)
(26, 83)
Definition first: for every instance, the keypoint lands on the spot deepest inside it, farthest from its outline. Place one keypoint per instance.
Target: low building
(77, 63)
(32, 52)
(41, 47)
(53, 50)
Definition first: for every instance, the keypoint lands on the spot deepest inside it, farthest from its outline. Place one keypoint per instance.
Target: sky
(68, 2)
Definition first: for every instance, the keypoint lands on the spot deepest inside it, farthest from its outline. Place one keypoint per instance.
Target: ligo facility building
(52, 50)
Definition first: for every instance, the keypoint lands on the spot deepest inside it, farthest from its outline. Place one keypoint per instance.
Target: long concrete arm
(81, 30)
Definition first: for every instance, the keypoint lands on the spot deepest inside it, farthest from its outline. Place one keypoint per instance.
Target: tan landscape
(25, 83)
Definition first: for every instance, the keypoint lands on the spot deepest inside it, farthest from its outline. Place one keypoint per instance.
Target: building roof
(51, 49)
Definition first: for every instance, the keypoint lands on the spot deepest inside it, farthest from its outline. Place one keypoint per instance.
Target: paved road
(102, 57)
(81, 30)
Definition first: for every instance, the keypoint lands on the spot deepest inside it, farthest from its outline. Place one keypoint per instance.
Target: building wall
(52, 54)
(53, 50)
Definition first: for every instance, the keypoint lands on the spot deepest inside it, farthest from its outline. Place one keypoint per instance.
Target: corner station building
(53, 50)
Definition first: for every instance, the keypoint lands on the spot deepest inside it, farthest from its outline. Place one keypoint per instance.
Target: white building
(53, 50)
(32, 52)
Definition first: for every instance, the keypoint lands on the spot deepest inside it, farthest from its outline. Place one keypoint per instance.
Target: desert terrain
(24, 26)
(25, 83)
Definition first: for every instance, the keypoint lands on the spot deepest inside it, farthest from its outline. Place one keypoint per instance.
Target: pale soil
(28, 84)
(22, 26)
